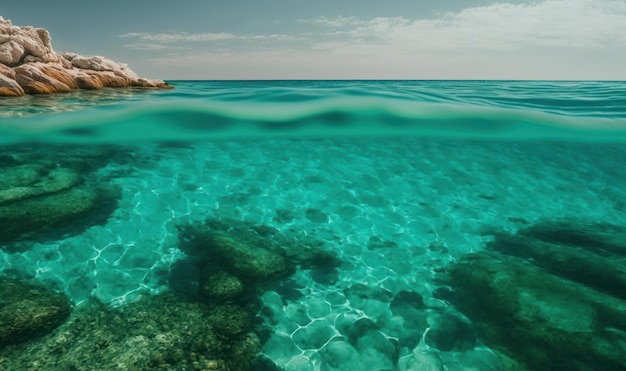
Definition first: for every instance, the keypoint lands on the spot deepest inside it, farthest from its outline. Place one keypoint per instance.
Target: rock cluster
(162, 332)
(29, 65)
(50, 189)
(236, 260)
(551, 296)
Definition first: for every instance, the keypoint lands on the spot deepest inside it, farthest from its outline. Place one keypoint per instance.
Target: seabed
(347, 254)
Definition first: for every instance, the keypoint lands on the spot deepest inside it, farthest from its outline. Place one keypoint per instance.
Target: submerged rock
(221, 286)
(163, 332)
(555, 301)
(252, 255)
(51, 189)
(421, 361)
(600, 238)
(240, 266)
(29, 65)
(26, 181)
(246, 260)
(22, 219)
(29, 310)
(602, 270)
(449, 332)
(339, 355)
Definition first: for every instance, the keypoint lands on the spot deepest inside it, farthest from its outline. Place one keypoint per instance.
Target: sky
(341, 39)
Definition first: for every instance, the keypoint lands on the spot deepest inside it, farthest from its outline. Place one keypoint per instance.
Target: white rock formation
(29, 65)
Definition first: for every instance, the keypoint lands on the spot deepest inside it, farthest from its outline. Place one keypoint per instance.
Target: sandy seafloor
(435, 199)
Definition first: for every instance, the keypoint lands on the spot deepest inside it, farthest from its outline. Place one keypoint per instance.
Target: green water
(315, 225)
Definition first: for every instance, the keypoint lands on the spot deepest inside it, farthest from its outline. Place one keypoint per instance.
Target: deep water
(315, 225)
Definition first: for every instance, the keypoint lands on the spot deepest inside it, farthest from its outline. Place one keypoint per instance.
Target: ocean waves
(205, 110)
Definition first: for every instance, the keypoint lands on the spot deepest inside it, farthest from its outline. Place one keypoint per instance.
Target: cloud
(279, 37)
(500, 26)
(339, 21)
(179, 36)
(557, 39)
(184, 37)
(145, 46)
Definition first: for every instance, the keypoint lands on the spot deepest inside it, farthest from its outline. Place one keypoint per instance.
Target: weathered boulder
(59, 73)
(98, 63)
(8, 86)
(17, 42)
(35, 81)
(29, 65)
(7, 72)
(11, 53)
(29, 310)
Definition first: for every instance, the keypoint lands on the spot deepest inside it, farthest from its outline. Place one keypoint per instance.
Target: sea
(354, 225)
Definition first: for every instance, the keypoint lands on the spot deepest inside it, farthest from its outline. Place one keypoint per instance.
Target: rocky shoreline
(29, 65)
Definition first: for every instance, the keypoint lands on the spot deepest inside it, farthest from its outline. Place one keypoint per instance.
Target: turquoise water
(398, 180)
(259, 109)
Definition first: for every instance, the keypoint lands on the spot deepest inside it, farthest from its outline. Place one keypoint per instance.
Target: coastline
(29, 65)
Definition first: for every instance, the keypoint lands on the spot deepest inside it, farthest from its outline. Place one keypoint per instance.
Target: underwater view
(315, 225)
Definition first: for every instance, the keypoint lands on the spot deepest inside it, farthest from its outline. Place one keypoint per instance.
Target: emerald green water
(378, 196)
(583, 111)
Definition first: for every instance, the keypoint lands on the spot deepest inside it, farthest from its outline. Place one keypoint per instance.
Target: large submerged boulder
(550, 296)
(49, 191)
(29, 65)
(29, 310)
(22, 219)
(161, 332)
(235, 259)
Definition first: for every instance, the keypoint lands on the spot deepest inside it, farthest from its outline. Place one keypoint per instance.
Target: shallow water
(397, 179)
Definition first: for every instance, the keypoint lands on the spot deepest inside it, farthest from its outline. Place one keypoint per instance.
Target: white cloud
(145, 46)
(179, 36)
(279, 37)
(557, 39)
(340, 21)
(500, 26)
(183, 37)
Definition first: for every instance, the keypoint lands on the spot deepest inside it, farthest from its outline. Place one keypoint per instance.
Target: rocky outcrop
(29, 65)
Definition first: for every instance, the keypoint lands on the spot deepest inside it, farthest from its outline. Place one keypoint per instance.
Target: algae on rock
(49, 188)
(554, 310)
(247, 257)
(22, 219)
(162, 332)
(29, 310)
